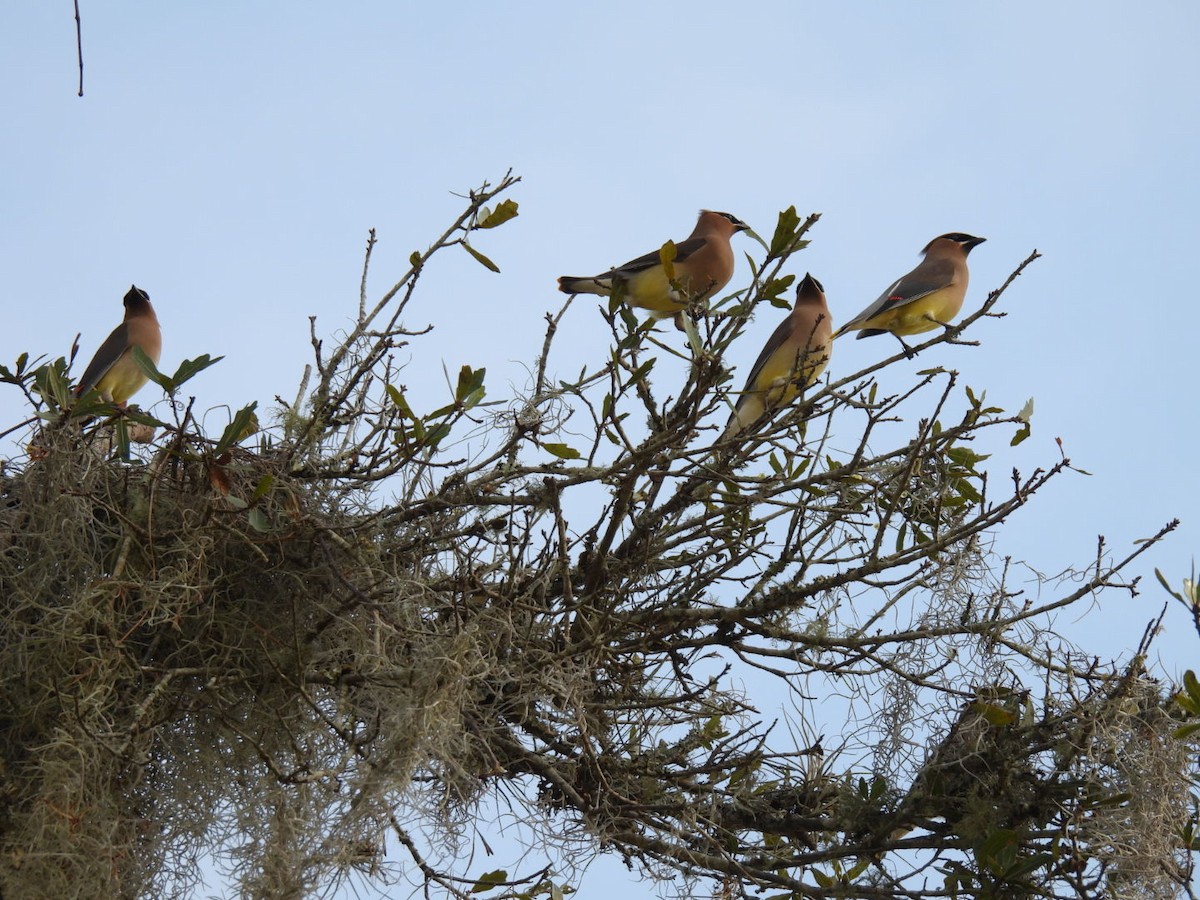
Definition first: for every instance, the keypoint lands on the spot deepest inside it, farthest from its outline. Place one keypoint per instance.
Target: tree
(369, 624)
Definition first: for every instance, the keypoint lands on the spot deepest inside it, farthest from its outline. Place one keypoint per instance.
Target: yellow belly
(652, 290)
(122, 381)
(920, 315)
(780, 384)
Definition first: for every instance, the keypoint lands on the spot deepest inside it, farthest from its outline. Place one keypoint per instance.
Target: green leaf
(743, 774)
(259, 520)
(1026, 412)
(965, 457)
(134, 414)
(666, 255)
(713, 729)
(1020, 436)
(263, 487)
(693, 336)
(469, 389)
(90, 405)
(437, 434)
(442, 411)
(7, 375)
(967, 491)
(146, 364)
(562, 451)
(51, 382)
(998, 850)
(640, 373)
(190, 367)
(489, 881)
(244, 424)
(401, 404)
(785, 232)
(1162, 579)
(505, 210)
(773, 290)
(754, 236)
(1192, 685)
(483, 260)
(1187, 703)
(1186, 699)
(122, 434)
(858, 868)
(1028, 865)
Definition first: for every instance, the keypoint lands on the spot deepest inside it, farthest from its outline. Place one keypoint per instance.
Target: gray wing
(931, 275)
(683, 250)
(106, 357)
(774, 342)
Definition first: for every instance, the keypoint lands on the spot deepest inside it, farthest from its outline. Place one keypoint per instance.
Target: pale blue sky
(229, 157)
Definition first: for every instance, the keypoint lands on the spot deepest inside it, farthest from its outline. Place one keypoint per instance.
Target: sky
(230, 157)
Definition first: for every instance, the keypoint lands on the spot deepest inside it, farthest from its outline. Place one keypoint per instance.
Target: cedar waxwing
(703, 265)
(112, 370)
(928, 296)
(794, 357)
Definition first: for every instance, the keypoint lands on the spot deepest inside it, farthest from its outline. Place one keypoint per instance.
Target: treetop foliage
(790, 664)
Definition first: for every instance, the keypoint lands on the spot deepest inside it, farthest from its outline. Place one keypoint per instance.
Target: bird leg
(952, 336)
(909, 352)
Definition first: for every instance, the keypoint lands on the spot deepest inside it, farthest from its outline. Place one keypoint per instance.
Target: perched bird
(113, 371)
(928, 296)
(793, 358)
(703, 265)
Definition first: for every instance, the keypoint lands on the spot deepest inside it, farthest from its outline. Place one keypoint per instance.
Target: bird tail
(749, 410)
(591, 285)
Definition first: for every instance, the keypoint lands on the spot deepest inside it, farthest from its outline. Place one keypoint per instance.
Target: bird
(793, 358)
(703, 264)
(113, 372)
(928, 296)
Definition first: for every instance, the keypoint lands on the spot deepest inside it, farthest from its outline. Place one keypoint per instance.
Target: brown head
(953, 242)
(137, 304)
(810, 317)
(810, 291)
(723, 223)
